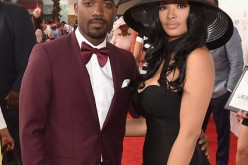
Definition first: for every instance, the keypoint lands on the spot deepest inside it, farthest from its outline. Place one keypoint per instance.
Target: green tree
(56, 10)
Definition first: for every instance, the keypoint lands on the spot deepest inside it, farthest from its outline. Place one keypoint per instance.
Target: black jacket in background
(17, 39)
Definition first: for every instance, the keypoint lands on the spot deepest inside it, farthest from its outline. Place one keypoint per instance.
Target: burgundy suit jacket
(58, 117)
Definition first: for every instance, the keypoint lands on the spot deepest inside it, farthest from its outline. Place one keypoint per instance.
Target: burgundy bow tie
(87, 51)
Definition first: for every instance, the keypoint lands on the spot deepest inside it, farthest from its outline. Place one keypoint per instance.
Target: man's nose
(98, 9)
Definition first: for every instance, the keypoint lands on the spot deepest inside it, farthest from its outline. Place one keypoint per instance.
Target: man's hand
(12, 100)
(203, 141)
(242, 115)
(7, 139)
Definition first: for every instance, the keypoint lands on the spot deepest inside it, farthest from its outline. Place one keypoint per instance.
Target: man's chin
(98, 35)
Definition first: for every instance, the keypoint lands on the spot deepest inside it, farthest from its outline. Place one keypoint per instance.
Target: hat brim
(219, 24)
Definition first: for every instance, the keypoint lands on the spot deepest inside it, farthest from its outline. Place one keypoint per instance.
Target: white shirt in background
(2, 121)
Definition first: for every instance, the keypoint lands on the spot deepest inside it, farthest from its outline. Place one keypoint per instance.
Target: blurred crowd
(49, 30)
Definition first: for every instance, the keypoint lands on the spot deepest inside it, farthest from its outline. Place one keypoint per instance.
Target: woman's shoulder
(200, 66)
(200, 53)
(200, 57)
(200, 50)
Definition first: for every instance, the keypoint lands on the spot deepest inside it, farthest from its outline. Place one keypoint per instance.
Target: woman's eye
(182, 6)
(162, 7)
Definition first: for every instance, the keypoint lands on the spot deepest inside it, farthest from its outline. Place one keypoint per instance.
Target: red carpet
(132, 153)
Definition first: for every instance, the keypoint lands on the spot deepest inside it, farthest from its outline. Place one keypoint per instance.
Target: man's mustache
(98, 20)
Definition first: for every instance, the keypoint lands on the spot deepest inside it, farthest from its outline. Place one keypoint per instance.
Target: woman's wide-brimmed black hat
(219, 24)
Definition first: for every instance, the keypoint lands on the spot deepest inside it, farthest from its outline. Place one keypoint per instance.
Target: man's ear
(76, 8)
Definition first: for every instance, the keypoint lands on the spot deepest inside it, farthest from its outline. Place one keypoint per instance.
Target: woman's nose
(171, 14)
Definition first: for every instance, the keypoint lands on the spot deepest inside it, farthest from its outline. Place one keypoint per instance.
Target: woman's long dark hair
(194, 38)
(37, 23)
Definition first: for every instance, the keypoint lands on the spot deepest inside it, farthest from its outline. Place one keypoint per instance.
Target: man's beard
(97, 35)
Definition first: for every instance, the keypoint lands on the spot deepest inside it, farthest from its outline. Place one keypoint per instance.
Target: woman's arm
(136, 127)
(137, 53)
(38, 34)
(197, 92)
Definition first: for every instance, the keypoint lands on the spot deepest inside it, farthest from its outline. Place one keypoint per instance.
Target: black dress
(161, 107)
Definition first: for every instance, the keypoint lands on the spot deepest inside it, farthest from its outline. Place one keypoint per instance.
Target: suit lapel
(83, 74)
(115, 67)
(85, 79)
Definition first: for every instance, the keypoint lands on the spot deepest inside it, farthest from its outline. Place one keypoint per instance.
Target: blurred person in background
(229, 63)
(48, 30)
(16, 42)
(121, 38)
(39, 26)
(140, 48)
(55, 30)
(68, 28)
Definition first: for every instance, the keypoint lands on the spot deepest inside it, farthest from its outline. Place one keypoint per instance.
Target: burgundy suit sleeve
(34, 102)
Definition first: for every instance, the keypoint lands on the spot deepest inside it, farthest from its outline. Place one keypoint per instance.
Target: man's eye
(108, 4)
(88, 4)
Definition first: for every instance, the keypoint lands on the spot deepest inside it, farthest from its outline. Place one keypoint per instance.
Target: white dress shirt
(2, 121)
(101, 80)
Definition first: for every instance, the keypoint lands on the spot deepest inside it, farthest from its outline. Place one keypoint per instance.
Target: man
(72, 108)
(16, 42)
(228, 61)
(68, 29)
(48, 30)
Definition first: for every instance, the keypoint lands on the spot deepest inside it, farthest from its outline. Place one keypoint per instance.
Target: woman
(242, 147)
(39, 26)
(173, 96)
(140, 48)
(123, 39)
